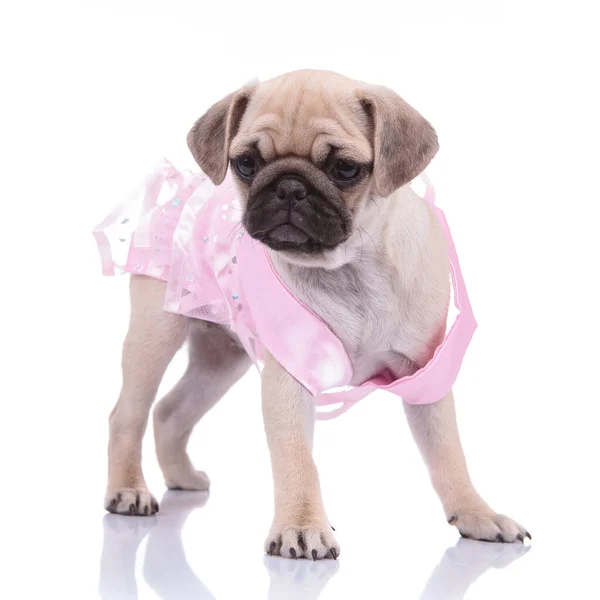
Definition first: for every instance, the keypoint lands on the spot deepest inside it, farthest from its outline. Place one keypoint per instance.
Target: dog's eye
(344, 170)
(246, 166)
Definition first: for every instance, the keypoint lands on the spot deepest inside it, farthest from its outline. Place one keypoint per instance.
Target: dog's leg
(436, 433)
(300, 527)
(153, 338)
(216, 362)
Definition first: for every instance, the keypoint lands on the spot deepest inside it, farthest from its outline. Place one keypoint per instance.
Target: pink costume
(184, 230)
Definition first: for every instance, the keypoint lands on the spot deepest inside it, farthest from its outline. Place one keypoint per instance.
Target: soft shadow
(298, 579)
(166, 569)
(461, 565)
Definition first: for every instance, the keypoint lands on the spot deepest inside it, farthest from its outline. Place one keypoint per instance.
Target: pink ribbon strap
(435, 379)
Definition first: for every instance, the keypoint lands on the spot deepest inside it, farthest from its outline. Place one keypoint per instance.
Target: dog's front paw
(483, 524)
(130, 501)
(293, 540)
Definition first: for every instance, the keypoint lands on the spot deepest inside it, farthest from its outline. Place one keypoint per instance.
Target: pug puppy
(322, 164)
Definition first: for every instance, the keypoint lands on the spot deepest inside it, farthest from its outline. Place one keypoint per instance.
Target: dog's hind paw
(487, 526)
(187, 479)
(131, 501)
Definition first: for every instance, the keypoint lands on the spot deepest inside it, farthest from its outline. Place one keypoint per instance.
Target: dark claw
(154, 507)
(146, 509)
(272, 548)
(452, 520)
(520, 538)
(332, 527)
(499, 538)
(527, 534)
(293, 553)
(132, 509)
(334, 553)
(137, 502)
(113, 503)
(314, 554)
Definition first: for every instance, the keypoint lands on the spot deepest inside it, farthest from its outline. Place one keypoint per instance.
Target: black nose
(291, 189)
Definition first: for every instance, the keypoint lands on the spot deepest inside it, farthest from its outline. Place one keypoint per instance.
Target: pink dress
(180, 228)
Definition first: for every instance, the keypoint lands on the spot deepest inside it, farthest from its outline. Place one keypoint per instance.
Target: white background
(96, 92)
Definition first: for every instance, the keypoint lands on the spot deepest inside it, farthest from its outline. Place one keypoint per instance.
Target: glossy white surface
(168, 572)
(98, 92)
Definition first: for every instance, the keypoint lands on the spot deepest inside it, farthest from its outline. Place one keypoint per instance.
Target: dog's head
(308, 149)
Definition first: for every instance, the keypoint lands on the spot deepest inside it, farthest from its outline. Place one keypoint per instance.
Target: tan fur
(153, 338)
(384, 291)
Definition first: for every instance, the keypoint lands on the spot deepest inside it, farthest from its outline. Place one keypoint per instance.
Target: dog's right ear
(211, 135)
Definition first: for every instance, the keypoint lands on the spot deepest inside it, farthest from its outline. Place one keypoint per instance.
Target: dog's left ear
(211, 135)
(403, 141)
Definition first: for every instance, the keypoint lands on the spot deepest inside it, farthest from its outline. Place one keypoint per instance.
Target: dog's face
(308, 149)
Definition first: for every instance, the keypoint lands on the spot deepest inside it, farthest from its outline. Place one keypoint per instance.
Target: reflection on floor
(168, 573)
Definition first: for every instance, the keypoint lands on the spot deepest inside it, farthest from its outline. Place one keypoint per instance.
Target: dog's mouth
(287, 234)
(291, 238)
(294, 233)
